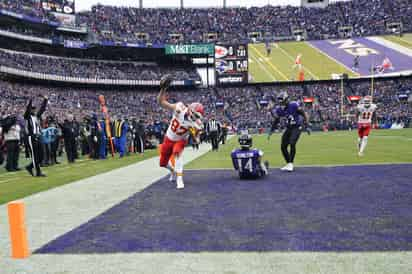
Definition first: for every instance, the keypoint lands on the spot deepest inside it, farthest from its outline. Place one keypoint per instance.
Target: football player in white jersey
(186, 120)
(365, 115)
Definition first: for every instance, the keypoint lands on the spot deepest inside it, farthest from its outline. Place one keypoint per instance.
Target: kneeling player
(186, 120)
(247, 161)
(366, 114)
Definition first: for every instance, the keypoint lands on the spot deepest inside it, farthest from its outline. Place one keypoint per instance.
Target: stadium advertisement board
(231, 63)
(75, 44)
(190, 49)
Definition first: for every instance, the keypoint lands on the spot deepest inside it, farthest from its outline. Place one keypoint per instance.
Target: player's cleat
(172, 177)
(179, 182)
(288, 167)
(360, 154)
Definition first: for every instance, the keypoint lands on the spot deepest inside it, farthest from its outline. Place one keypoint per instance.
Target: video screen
(327, 59)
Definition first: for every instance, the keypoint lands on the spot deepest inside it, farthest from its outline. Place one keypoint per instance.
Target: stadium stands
(240, 105)
(109, 23)
(26, 7)
(92, 69)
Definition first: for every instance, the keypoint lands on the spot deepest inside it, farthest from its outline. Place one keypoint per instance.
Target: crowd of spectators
(92, 68)
(366, 17)
(27, 7)
(73, 117)
(239, 106)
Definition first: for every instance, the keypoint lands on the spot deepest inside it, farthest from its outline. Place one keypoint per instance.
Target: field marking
(401, 49)
(388, 38)
(403, 40)
(404, 138)
(330, 57)
(293, 60)
(307, 166)
(264, 68)
(269, 63)
(7, 181)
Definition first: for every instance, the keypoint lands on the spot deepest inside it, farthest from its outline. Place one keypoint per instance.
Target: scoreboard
(63, 10)
(59, 6)
(231, 64)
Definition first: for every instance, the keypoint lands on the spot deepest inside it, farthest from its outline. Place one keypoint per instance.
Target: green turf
(333, 148)
(20, 184)
(279, 65)
(405, 40)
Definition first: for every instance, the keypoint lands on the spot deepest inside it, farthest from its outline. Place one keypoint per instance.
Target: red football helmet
(367, 100)
(197, 109)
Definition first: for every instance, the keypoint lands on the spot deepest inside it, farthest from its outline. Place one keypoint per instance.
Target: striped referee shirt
(213, 125)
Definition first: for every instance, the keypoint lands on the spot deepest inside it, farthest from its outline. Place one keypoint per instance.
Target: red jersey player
(298, 62)
(365, 113)
(185, 121)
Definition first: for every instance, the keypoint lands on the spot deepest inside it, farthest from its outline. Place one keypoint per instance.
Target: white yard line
(293, 61)
(327, 55)
(269, 63)
(389, 44)
(264, 68)
(9, 180)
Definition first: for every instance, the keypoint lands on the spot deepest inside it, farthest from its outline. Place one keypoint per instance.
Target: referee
(33, 131)
(213, 130)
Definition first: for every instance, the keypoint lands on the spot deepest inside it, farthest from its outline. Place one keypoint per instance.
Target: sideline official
(33, 131)
(213, 130)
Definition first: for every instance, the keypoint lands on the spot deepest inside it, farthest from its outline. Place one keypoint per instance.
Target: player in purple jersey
(248, 161)
(296, 120)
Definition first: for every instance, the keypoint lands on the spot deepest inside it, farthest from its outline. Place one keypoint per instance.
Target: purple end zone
(401, 62)
(357, 208)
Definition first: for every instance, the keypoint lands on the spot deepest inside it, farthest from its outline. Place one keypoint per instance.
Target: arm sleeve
(42, 108)
(180, 107)
(28, 110)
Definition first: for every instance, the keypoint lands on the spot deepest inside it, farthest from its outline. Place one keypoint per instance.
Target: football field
(405, 40)
(323, 149)
(337, 213)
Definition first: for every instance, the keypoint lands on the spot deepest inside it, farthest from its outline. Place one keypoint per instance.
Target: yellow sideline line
(291, 58)
(269, 63)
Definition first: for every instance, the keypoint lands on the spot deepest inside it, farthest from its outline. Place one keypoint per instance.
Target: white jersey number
(248, 166)
(177, 128)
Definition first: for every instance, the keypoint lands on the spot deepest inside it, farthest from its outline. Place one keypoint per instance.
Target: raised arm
(28, 110)
(43, 106)
(162, 97)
